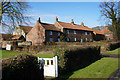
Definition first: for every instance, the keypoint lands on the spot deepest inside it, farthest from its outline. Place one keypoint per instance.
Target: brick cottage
(44, 32)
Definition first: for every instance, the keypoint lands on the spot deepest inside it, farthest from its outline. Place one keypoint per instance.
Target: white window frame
(75, 39)
(51, 33)
(85, 33)
(58, 33)
(74, 31)
(86, 39)
(58, 39)
(50, 39)
(67, 31)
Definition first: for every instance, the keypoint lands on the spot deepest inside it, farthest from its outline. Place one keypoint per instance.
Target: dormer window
(67, 31)
(74, 31)
(85, 33)
(50, 33)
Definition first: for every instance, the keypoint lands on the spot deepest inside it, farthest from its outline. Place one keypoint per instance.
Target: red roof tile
(74, 26)
(106, 30)
(16, 37)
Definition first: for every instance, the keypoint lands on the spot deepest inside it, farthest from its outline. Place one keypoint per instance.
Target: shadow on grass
(83, 65)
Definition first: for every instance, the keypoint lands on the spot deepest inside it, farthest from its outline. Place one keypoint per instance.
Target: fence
(50, 66)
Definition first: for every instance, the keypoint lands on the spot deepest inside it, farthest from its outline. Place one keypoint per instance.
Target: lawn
(6, 54)
(102, 68)
(116, 51)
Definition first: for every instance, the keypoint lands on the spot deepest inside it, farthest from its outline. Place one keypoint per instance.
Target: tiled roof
(26, 29)
(95, 31)
(5, 36)
(50, 27)
(105, 30)
(16, 37)
(74, 26)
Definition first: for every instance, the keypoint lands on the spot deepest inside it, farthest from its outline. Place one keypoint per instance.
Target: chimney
(39, 20)
(72, 22)
(56, 19)
(82, 24)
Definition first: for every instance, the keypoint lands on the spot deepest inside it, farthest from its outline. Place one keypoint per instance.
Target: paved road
(115, 75)
(111, 55)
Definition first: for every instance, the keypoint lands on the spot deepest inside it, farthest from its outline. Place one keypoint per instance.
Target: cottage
(74, 32)
(43, 32)
(5, 37)
(22, 30)
(108, 34)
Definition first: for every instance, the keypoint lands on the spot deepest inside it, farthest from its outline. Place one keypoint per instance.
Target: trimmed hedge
(112, 46)
(71, 59)
(22, 67)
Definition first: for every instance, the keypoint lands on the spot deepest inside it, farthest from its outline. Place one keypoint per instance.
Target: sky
(86, 12)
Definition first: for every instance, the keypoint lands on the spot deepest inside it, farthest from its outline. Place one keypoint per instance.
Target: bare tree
(12, 13)
(110, 11)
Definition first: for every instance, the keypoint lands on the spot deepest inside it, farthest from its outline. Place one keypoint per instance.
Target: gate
(50, 66)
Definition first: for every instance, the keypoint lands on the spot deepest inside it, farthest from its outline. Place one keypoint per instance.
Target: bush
(22, 67)
(76, 58)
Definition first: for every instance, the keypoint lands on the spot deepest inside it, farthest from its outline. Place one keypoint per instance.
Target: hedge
(22, 67)
(71, 59)
(112, 46)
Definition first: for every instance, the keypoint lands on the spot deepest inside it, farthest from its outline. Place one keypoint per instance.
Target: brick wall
(80, 34)
(54, 36)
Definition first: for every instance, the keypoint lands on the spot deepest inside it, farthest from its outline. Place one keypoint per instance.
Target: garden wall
(22, 67)
(71, 59)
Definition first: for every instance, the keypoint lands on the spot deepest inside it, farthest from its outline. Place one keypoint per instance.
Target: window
(68, 39)
(107, 34)
(85, 33)
(58, 33)
(58, 39)
(74, 39)
(51, 39)
(90, 33)
(81, 40)
(74, 32)
(67, 31)
(86, 39)
(51, 33)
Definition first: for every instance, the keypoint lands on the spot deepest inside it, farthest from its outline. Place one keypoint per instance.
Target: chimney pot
(72, 22)
(39, 20)
(56, 19)
(82, 23)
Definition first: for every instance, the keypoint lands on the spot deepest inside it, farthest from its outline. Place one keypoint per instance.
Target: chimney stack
(72, 22)
(39, 20)
(56, 19)
(82, 24)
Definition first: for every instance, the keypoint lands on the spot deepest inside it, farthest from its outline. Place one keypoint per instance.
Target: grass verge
(116, 51)
(102, 68)
(6, 54)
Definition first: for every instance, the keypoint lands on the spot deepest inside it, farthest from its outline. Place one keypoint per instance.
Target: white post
(45, 62)
(56, 66)
(49, 62)
(38, 59)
